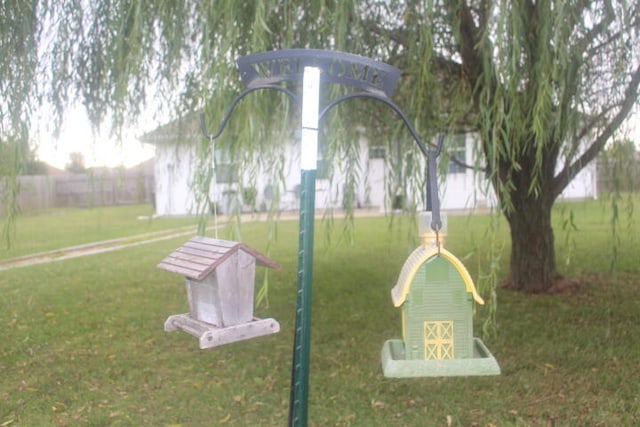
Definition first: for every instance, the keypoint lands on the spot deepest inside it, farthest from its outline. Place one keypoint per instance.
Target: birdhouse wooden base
(212, 336)
(394, 364)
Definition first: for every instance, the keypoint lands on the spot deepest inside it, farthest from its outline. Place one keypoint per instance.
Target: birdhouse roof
(411, 266)
(197, 258)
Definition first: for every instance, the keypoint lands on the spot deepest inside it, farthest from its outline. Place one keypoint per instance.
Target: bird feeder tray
(211, 336)
(395, 365)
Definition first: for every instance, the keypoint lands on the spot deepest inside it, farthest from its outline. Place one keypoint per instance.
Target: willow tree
(545, 83)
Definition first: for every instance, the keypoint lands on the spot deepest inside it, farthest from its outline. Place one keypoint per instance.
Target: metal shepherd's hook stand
(377, 81)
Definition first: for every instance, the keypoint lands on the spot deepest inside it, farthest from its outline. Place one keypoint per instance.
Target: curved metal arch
(234, 104)
(431, 190)
(423, 147)
(431, 154)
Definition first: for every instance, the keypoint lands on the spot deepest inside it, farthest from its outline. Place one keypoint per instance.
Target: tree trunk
(533, 257)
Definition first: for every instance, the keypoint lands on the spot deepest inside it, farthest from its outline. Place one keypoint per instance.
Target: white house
(176, 160)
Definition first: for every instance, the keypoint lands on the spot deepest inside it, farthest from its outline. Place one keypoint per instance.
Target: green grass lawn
(83, 341)
(57, 228)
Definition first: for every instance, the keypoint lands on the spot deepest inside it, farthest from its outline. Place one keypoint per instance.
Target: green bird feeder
(435, 294)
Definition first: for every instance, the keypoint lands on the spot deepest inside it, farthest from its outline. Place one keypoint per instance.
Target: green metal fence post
(298, 409)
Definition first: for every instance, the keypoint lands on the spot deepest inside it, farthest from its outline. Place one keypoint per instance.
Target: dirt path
(95, 248)
(131, 241)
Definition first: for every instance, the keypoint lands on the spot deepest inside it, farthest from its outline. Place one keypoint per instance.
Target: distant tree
(10, 167)
(76, 163)
(33, 165)
(620, 167)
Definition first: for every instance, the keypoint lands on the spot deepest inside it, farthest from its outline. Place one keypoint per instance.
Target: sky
(76, 136)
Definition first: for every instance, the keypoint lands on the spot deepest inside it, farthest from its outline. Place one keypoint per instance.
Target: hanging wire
(215, 185)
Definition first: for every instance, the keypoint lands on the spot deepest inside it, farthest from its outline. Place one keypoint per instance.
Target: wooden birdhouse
(435, 294)
(220, 283)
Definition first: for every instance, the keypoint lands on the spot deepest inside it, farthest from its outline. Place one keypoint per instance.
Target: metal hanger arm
(433, 201)
(394, 107)
(236, 101)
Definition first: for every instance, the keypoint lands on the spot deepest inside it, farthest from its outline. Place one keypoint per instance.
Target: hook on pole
(203, 126)
(433, 202)
(439, 144)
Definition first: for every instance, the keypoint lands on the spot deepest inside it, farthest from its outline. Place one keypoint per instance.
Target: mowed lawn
(83, 341)
(57, 228)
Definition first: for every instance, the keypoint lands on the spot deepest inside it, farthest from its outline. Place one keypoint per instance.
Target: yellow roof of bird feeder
(419, 256)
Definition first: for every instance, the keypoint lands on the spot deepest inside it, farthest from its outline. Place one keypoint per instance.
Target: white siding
(174, 168)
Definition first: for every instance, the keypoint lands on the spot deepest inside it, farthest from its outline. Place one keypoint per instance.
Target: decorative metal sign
(268, 68)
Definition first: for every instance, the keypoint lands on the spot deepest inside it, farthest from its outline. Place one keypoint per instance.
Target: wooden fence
(85, 190)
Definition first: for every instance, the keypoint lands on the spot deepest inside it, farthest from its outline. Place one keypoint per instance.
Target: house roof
(182, 130)
(411, 266)
(201, 255)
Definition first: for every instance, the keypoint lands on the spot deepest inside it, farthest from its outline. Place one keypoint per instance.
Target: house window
(225, 168)
(322, 165)
(377, 152)
(438, 340)
(322, 169)
(459, 151)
